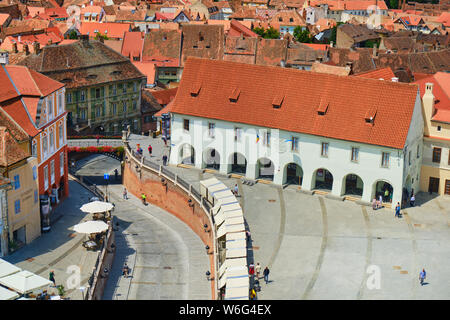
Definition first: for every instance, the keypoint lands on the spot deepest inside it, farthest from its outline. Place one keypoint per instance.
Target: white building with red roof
(346, 137)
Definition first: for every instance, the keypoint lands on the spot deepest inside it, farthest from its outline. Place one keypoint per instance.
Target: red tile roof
(112, 30)
(259, 85)
(132, 45)
(7, 90)
(10, 151)
(380, 73)
(238, 29)
(441, 92)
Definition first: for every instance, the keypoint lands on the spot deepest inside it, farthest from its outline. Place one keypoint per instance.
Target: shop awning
(205, 184)
(7, 268)
(234, 220)
(232, 207)
(224, 229)
(6, 294)
(237, 293)
(231, 263)
(227, 201)
(24, 282)
(219, 218)
(236, 236)
(239, 252)
(241, 243)
(212, 190)
(233, 272)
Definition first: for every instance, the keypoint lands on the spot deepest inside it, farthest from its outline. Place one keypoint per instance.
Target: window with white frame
(294, 144)
(52, 171)
(52, 141)
(237, 134)
(385, 159)
(34, 149)
(324, 151)
(60, 103)
(61, 134)
(45, 178)
(61, 163)
(45, 145)
(266, 138)
(211, 128)
(50, 107)
(355, 154)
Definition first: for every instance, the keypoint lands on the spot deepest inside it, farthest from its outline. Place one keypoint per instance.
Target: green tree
(272, 33)
(73, 35)
(302, 35)
(392, 4)
(98, 36)
(259, 31)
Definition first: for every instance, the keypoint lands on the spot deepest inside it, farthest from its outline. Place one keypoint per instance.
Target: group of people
(150, 152)
(256, 271)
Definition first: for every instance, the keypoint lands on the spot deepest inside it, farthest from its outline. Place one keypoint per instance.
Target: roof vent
(323, 107)
(394, 79)
(370, 115)
(234, 96)
(195, 89)
(278, 101)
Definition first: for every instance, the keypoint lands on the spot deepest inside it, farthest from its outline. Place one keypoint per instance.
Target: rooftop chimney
(428, 105)
(331, 44)
(15, 47)
(36, 47)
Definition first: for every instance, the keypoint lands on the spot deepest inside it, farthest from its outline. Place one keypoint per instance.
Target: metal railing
(184, 185)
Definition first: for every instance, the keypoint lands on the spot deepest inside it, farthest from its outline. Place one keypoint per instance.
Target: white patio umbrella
(7, 268)
(90, 227)
(24, 282)
(96, 207)
(6, 294)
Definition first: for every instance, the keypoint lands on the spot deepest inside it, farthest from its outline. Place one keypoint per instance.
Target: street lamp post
(106, 177)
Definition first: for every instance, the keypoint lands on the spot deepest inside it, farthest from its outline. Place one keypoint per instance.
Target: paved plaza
(319, 248)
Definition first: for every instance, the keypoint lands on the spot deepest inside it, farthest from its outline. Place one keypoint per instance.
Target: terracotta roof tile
(380, 73)
(162, 47)
(10, 151)
(259, 85)
(203, 41)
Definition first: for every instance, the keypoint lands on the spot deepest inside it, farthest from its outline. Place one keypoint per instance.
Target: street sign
(106, 176)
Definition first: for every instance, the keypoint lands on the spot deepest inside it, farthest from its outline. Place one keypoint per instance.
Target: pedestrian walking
(125, 270)
(413, 200)
(165, 140)
(386, 195)
(266, 275)
(150, 149)
(51, 277)
(374, 204)
(125, 194)
(397, 210)
(116, 174)
(380, 199)
(251, 269)
(248, 235)
(98, 139)
(144, 197)
(164, 158)
(422, 276)
(258, 270)
(236, 190)
(252, 294)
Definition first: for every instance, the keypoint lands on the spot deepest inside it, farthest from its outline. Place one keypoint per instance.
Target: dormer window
(195, 89)
(323, 107)
(370, 115)
(278, 101)
(234, 96)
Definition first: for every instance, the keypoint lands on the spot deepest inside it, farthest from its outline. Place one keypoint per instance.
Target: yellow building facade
(435, 171)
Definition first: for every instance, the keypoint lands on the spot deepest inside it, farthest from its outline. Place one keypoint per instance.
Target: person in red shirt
(150, 150)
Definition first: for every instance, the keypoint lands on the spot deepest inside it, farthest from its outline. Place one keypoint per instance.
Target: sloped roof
(358, 32)
(303, 92)
(380, 73)
(162, 47)
(10, 151)
(132, 44)
(203, 41)
(270, 52)
(325, 68)
(441, 92)
(112, 30)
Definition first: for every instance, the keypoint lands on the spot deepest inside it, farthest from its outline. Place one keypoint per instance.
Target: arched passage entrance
(353, 185)
(187, 154)
(322, 179)
(238, 163)
(266, 169)
(211, 158)
(293, 174)
(384, 189)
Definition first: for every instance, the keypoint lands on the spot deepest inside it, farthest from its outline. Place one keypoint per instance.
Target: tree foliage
(302, 35)
(270, 33)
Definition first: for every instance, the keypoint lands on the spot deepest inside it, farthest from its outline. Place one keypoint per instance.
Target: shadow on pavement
(123, 251)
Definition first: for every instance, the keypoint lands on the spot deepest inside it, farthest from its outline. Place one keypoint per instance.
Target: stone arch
(293, 174)
(379, 188)
(186, 154)
(238, 163)
(265, 169)
(211, 158)
(322, 179)
(352, 185)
